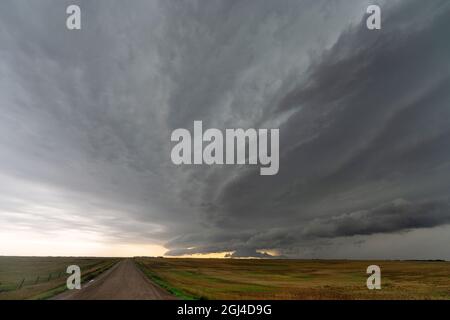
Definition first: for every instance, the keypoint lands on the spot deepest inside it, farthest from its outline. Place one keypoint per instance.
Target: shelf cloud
(86, 118)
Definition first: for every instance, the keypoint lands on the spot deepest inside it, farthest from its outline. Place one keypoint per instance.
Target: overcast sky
(364, 118)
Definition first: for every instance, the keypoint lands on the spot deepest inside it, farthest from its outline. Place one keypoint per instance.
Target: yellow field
(43, 277)
(297, 279)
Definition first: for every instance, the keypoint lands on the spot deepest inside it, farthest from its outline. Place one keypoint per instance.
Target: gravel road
(124, 281)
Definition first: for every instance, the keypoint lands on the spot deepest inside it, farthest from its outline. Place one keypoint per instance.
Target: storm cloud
(364, 119)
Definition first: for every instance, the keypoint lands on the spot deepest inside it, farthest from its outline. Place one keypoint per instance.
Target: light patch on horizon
(211, 255)
(39, 220)
(71, 243)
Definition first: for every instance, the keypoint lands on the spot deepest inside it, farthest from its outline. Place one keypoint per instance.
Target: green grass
(44, 277)
(297, 279)
(163, 284)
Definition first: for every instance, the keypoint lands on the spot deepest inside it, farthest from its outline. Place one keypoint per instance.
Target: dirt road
(124, 281)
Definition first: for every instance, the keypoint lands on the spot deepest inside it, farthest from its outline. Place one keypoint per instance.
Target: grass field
(297, 279)
(43, 277)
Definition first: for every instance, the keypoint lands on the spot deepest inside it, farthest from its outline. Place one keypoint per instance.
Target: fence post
(49, 277)
(37, 280)
(21, 283)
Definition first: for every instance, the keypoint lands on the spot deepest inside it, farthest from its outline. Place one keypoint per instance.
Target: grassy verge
(164, 284)
(84, 279)
(24, 278)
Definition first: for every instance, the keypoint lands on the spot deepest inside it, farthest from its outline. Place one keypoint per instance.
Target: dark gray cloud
(86, 117)
(391, 217)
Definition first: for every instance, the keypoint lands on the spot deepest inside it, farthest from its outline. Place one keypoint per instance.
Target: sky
(86, 118)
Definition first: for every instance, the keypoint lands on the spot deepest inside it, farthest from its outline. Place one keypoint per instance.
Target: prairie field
(297, 279)
(42, 277)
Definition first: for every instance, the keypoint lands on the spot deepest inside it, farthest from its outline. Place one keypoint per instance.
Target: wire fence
(31, 280)
(39, 279)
